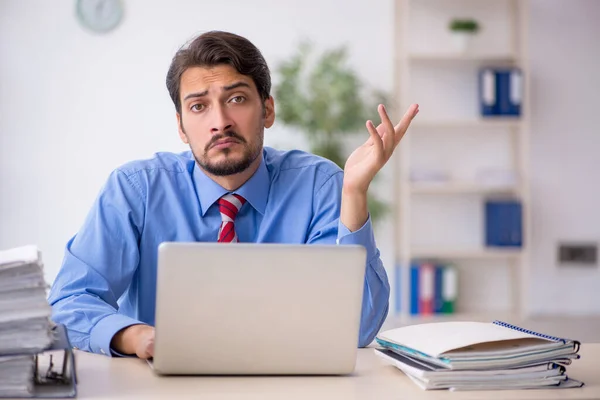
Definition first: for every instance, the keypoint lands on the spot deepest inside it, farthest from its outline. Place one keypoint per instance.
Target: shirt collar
(255, 190)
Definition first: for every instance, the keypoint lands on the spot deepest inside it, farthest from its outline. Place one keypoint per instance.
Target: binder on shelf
(487, 92)
(426, 289)
(503, 223)
(449, 289)
(414, 289)
(509, 91)
(515, 96)
(398, 291)
(438, 281)
(433, 288)
(500, 91)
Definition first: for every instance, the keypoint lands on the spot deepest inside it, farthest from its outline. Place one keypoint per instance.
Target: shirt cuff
(102, 334)
(364, 237)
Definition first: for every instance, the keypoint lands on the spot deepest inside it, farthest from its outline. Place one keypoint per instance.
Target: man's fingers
(408, 115)
(150, 350)
(147, 350)
(374, 137)
(150, 346)
(388, 136)
(146, 344)
(402, 126)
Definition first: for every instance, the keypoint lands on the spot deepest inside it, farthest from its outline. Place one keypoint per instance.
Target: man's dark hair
(218, 48)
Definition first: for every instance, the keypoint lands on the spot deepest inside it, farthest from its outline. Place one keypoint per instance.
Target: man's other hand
(135, 339)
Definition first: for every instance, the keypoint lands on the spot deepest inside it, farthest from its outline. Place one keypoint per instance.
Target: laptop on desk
(258, 309)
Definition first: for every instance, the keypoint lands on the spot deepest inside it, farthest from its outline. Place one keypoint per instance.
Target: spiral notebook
(461, 345)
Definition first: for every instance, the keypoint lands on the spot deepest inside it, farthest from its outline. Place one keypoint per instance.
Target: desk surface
(101, 377)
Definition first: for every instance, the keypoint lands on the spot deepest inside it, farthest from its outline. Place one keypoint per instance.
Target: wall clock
(100, 15)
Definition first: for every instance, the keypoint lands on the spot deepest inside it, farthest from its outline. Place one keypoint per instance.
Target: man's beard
(229, 167)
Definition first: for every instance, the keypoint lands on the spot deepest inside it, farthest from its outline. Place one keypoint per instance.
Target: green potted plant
(325, 99)
(463, 29)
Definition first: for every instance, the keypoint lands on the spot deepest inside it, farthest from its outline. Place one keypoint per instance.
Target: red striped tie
(229, 205)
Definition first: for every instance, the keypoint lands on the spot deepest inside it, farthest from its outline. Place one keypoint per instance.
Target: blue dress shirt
(108, 277)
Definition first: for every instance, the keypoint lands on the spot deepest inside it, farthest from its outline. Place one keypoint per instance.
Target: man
(228, 188)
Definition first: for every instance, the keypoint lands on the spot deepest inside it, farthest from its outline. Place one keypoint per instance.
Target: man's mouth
(224, 143)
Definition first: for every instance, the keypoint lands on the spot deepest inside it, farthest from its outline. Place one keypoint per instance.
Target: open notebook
(462, 345)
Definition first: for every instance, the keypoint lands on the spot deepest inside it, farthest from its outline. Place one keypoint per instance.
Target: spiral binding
(516, 328)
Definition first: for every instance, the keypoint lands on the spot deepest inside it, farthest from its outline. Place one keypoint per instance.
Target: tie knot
(229, 205)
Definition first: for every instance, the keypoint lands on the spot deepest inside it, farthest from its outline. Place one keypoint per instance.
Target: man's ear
(182, 134)
(269, 112)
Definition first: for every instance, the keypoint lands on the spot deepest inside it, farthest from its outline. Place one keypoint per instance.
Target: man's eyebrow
(235, 86)
(225, 88)
(199, 94)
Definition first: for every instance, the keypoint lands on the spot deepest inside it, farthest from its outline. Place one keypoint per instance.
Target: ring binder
(52, 377)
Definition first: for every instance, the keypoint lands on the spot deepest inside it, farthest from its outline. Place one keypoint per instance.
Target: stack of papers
(479, 356)
(16, 376)
(25, 326)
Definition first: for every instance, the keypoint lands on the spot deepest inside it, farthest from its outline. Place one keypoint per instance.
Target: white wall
(75, 105)
(565, 147)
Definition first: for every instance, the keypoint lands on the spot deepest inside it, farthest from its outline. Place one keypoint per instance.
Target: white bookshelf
(444, 85)
(490, 58)
(474, 123)
(461, 188)
(458, 254)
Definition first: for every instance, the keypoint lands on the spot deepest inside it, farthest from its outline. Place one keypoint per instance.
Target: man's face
(223, 118)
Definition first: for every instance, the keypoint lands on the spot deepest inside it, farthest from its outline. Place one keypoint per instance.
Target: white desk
(101, 377)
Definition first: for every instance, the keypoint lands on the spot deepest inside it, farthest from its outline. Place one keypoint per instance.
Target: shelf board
(460, 188)
(466, 254)
(475, 123)
(446, 57)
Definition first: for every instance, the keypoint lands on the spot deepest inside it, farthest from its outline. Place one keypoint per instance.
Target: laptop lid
(248, 308)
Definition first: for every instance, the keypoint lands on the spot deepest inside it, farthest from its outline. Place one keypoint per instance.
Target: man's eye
(197, 107)
(238, 99)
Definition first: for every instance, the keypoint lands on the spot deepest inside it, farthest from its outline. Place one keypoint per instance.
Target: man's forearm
(354, 215)
(375, 302)
(354, 212)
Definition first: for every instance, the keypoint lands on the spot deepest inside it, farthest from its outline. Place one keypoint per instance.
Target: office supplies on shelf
(503, 223)
(500, 91)
(433, 287)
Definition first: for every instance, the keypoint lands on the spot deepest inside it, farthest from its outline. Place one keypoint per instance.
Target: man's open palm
(364, 163)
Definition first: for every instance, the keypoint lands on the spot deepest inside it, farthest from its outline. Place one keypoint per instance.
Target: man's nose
(221, 120)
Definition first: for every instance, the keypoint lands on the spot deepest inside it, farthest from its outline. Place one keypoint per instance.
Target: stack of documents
(479, 356)
(25, 326)
(16, 375)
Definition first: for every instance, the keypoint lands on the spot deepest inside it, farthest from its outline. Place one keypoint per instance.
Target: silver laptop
(248, 309)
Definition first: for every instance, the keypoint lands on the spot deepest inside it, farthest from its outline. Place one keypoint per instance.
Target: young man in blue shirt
(227, 188)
